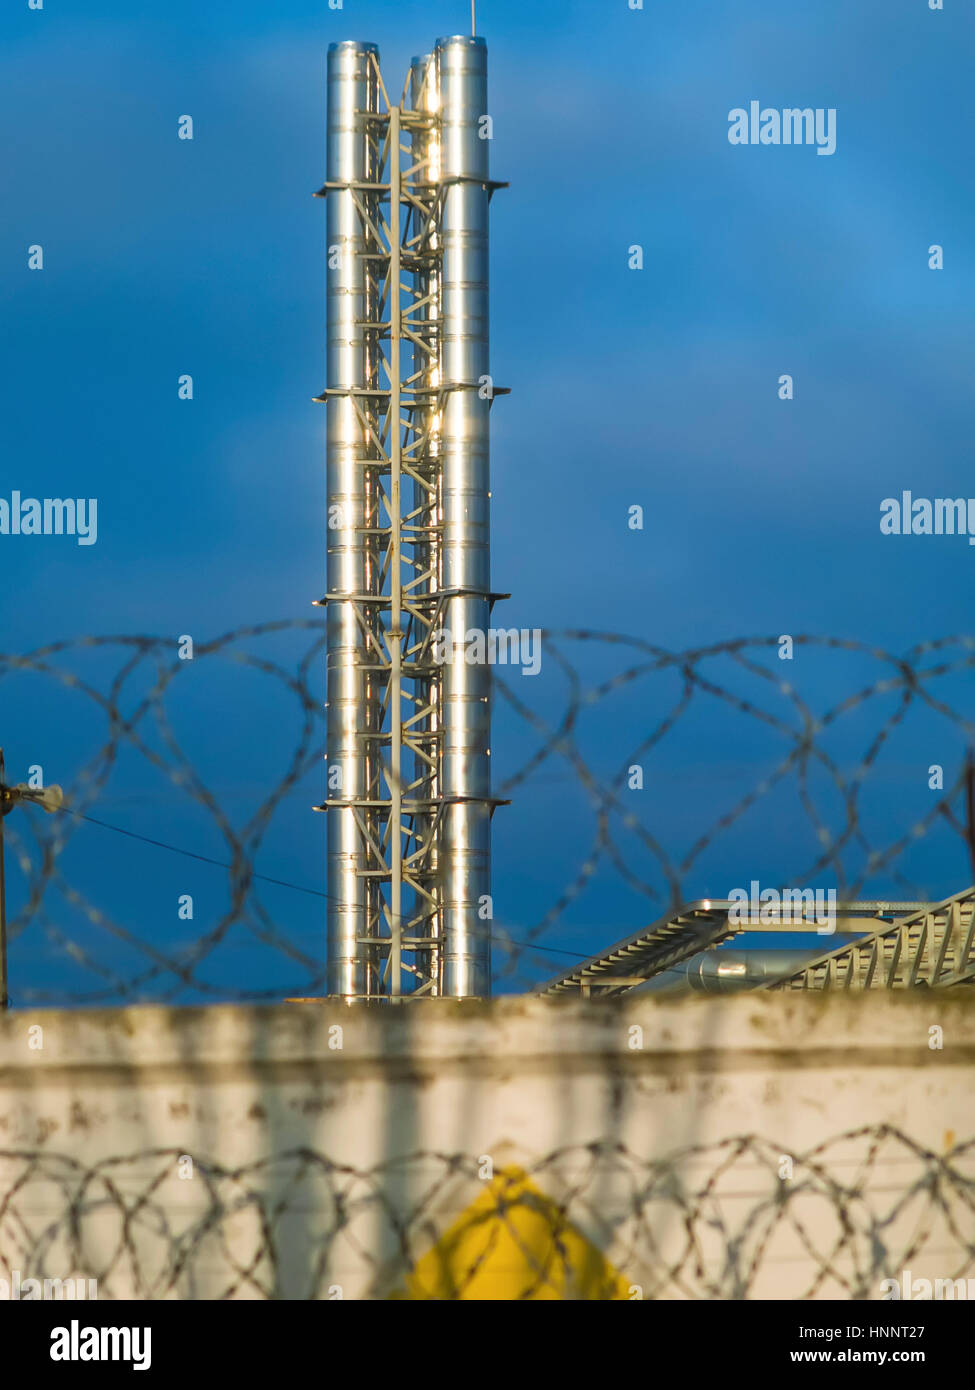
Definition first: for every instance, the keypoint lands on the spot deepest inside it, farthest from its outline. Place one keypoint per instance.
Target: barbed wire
(732, 1219)
(730, 690)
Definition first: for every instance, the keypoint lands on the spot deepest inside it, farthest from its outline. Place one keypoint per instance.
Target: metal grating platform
(699, 925)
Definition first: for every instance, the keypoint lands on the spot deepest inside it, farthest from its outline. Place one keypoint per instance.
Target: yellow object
(513, 1243)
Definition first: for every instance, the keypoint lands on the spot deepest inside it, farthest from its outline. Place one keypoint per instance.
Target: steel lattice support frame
(407, 753)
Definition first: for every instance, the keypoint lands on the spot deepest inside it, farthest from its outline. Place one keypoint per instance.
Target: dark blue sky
(657, 387)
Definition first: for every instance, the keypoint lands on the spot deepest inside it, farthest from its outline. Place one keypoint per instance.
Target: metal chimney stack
(409, 394)
(462, 82)
(352, 367)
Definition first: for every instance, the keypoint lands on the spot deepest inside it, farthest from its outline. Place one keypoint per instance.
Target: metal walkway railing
(932, 948)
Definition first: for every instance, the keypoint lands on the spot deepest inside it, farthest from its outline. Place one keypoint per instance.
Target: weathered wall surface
(765, 1145)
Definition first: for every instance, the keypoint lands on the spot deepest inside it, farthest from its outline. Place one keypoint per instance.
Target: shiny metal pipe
(352, 361)
(425, 151)
(727, 971)
(462, 91)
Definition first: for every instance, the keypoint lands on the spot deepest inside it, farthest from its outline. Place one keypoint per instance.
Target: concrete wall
(765, 1145)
